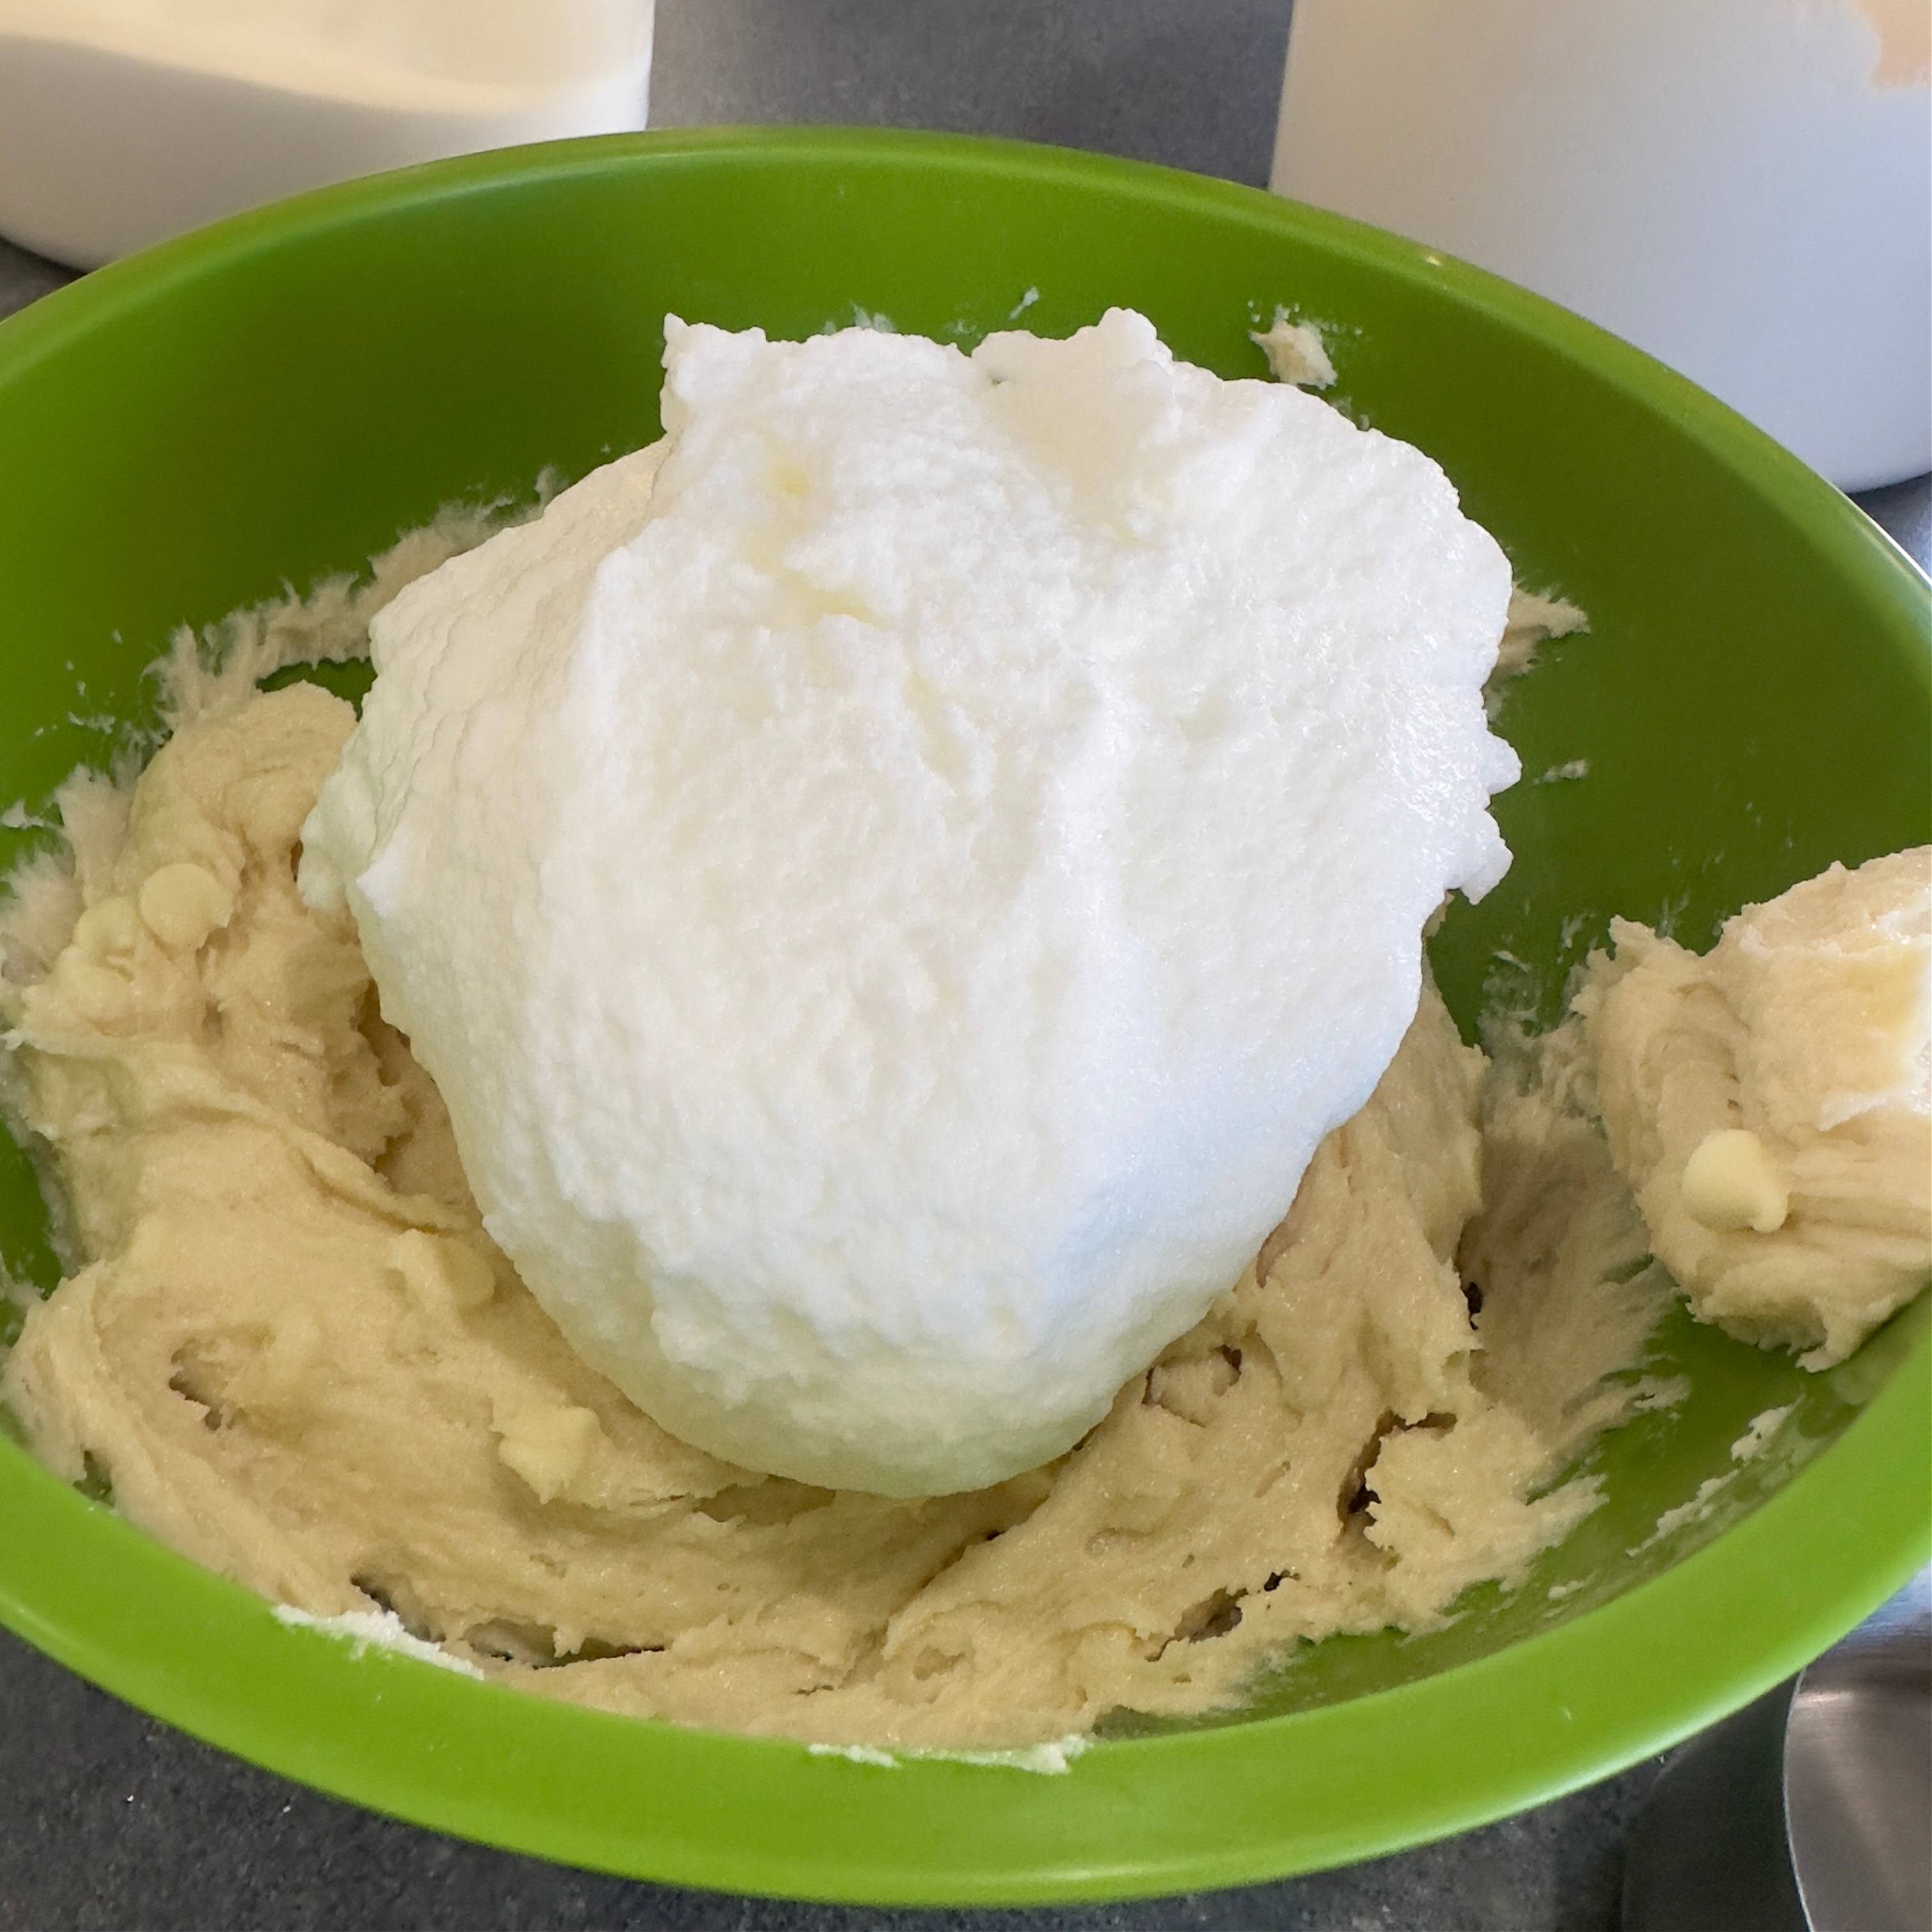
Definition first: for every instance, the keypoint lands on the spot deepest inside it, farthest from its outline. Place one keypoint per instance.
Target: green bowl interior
(272, 401)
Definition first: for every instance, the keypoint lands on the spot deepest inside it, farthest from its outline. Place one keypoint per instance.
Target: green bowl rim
(1224, 1806)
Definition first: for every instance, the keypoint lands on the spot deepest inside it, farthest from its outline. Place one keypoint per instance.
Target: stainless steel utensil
(1810, 1810)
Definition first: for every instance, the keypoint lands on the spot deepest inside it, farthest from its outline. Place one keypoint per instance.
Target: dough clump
(893, 884)
(1770, 1103)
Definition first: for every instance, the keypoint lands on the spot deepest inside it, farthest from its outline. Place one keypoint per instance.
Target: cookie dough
(1770, 1103)
(294, 1355)
(288, 1350)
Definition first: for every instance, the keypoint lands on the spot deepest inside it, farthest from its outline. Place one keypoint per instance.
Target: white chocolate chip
(107, 930)
(1731, 1182)
(439, 1272)
(548, 1448)
(183, 903)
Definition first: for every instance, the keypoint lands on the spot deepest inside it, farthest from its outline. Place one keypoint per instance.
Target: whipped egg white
(894, 881)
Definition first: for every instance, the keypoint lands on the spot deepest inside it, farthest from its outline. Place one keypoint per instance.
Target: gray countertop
(116, 1822)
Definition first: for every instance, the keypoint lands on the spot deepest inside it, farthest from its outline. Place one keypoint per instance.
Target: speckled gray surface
(113, 1823)
(1194, 83)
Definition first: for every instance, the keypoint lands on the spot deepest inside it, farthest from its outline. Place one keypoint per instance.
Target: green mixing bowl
(273, 399)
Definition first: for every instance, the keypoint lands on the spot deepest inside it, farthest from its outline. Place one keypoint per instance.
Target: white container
(123, 121)
(1743, 187)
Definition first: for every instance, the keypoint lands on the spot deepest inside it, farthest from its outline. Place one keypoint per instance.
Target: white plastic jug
(1743, 187)
(123, 121)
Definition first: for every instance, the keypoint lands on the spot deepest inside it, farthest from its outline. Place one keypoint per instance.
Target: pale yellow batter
(291, 1351)
(1768, 1102)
